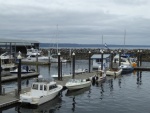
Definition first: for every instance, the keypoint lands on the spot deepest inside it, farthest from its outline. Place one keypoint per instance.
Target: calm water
(126, 94)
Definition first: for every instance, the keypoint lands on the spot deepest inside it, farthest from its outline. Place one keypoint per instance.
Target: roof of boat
(42, 80)
(98, 56)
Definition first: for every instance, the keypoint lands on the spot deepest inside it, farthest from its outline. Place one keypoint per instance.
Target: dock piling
(89, 61)
(102, 52)
(58, 66)
(111, 63)
(19, 73)
(37, 62)
(73, 65)
(0, 78)
(119, 57)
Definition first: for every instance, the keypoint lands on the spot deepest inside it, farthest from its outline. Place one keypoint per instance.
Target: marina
(78, 56)
(84, 74)
(9, 98)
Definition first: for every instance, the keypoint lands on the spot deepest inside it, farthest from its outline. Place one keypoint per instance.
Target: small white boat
(101, 75)
(74, 84)
(24, 70)
(7, 61)
(80, 71)
(41, 91)
(33, 51)
(114, 72)
(63, 75)
(126, 69)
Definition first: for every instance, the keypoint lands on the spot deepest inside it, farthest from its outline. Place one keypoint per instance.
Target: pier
(15, 77)
(11, 98)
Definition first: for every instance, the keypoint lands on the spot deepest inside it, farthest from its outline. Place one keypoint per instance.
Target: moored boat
(114, 72)
(74, 84)
(24, 70)
(41, 91)
(126, 69)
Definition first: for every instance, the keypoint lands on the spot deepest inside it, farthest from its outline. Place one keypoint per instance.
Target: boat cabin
(33, 51)
(42, 88)
(96, 61)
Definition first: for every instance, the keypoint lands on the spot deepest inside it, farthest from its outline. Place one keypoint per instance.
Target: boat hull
(27, 98)
(78, 86)
(113, 73)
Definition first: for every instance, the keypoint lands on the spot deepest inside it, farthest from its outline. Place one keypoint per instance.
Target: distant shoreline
(93, 46)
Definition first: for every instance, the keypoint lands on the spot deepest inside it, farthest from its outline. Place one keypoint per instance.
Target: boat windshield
(35, 86)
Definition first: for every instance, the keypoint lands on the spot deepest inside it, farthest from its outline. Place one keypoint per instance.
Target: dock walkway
(14, 77)
(11, 98)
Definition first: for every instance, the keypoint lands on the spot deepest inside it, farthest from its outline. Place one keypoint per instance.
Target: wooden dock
(11, 98)
(78, 76)
(141, 68)
(35, 63)
(15, 77)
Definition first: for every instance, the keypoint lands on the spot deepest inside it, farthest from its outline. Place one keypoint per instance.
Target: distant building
(96, 58)
(15, 45)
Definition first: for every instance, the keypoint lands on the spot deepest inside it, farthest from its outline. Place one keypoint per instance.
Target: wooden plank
(15, 77)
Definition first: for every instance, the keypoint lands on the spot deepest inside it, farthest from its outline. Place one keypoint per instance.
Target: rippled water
(125, 94)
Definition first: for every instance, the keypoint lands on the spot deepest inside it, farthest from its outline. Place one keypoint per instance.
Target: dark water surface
(126, 94)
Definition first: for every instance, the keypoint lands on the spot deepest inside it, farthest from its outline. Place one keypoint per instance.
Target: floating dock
(10, 98)
(15, 77)
(141, 68)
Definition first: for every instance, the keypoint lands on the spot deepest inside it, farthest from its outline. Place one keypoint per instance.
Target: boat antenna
(57, 37)
(124, 38)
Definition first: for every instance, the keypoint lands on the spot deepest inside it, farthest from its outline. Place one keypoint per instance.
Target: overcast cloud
(78, 21)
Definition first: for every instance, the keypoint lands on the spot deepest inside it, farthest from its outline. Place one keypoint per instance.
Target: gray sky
(76, 21)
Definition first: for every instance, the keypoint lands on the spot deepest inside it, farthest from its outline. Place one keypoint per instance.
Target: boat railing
(47, 80)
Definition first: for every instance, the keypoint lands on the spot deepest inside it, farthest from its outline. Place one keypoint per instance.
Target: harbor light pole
(102, 52)
(0, 78)
(111, 60)
(140, 57)
(58, 66)
(119, 57)
(73, 65)
(89, 61)
(19, 73)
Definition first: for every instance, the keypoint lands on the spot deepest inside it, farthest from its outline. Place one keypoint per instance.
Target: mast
(57, 38)
(124, 38)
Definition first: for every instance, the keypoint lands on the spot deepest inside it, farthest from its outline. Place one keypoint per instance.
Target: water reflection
(119, 82)
(139, 78)
(110, 84)
(75, 93)
(101, 91)
(73, 104)
(48, 107)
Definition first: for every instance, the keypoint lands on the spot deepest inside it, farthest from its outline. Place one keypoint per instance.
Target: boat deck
(11, 98)
(14, 77)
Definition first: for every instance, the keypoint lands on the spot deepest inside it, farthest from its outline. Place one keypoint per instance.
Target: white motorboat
(63, 75)
(41, 91)
(100, 76)
(74, 84)
(24, 70)
(113, 72)
(126, 69)
(34, 58)
(7, 61)
(80, 71)
(33, 51)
